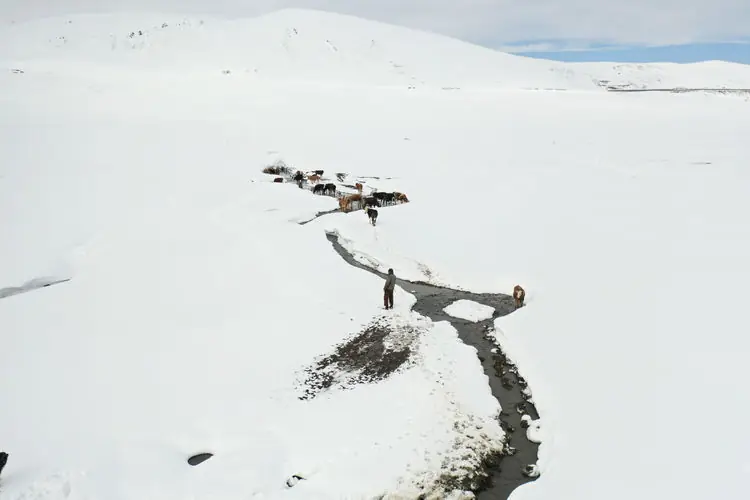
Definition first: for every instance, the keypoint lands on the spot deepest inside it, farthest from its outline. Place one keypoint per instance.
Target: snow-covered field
(196, 300)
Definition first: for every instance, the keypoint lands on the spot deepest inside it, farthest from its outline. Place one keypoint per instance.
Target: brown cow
(278, 179)
(313, 178)
(345, 203)
(359, 187)
(401, 197)
(518, 295)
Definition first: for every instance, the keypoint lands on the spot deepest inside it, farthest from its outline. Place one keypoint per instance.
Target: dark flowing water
(506, 384)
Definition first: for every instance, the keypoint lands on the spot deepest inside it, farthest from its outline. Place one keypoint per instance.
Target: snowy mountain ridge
(314, 46)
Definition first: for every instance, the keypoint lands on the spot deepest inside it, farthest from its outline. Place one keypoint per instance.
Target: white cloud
(490, 22)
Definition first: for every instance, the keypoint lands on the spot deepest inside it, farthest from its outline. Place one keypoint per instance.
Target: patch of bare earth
(382, 348)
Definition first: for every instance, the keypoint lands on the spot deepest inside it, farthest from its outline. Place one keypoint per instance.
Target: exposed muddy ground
(370, 356)
(500, 472)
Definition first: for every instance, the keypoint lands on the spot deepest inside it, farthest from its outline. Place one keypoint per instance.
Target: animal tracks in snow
(57, 486)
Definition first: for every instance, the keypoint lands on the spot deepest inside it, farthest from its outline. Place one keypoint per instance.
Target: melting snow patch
(531, 470)
(533, 428)
(293, 480)
(469, 310)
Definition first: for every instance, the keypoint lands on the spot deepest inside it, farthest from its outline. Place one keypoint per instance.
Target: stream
(34, 284)
(516, 466)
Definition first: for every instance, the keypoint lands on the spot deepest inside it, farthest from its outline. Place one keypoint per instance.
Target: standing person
(3, 460)
(299, 176)
(390, 284)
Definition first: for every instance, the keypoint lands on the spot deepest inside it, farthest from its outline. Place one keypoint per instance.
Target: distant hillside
(710, 74)
(299, 45)
(307, 46)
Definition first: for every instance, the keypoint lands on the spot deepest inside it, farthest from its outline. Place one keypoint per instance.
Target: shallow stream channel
(517, 464)
(34, 284)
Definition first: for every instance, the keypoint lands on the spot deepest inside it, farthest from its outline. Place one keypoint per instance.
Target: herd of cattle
(376, 199)
(347, 201)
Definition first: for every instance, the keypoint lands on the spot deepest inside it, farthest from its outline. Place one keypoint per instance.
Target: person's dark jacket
(3, 460)
(390, 282)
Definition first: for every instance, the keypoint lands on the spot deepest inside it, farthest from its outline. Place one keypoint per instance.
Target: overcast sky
(542, 24)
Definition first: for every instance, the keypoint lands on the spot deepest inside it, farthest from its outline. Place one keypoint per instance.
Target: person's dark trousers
(388, 299)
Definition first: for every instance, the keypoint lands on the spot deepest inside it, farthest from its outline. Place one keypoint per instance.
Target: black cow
(319, 172)
(330, 189)
(371, 201)
(372, 214)
(319, 188)
(385, 198)
(3, 460)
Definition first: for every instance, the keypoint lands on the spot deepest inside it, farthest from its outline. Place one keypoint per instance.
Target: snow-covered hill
(704, 75)
(310, 47)
(194, 302)
(298, 45)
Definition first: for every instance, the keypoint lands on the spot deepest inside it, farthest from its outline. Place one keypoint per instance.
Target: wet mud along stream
(517, 464)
